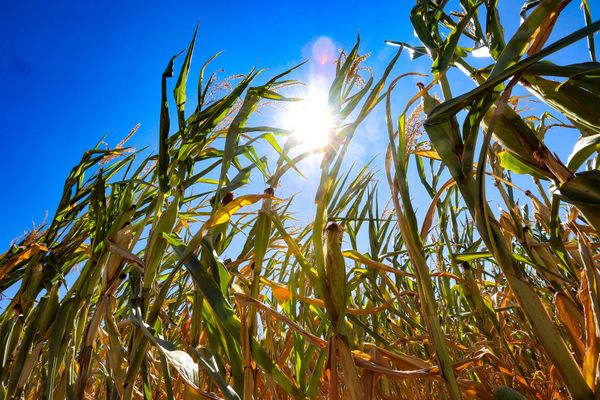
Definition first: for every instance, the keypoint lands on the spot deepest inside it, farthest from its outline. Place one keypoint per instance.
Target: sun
(310, 120)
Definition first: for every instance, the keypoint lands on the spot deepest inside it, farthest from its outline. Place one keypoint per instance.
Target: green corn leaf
(584, 148)
(165, 126)
(513, 163)
(181, 85)
(448, 49)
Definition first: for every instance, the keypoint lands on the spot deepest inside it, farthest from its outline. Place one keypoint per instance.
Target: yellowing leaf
(220, 216)
(356, 256)
(281, 294)
(370, 310)
(224, 213)
(572, 320)
(428, 154)
(20, 257)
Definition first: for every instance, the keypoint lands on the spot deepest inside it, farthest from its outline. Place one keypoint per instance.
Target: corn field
(167, 276)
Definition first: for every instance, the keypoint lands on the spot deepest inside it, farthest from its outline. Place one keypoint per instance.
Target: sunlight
(310, 120)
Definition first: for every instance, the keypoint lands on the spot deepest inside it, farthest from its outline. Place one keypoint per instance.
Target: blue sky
(71, 72)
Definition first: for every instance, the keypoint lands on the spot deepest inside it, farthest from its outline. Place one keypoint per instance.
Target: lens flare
(323, 51)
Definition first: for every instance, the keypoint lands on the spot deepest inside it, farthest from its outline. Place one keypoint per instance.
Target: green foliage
(155, 280)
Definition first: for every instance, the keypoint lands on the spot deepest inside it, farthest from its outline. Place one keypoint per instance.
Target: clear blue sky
(71, 72)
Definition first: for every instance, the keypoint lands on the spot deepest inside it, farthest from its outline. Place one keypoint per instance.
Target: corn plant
(171, 276)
